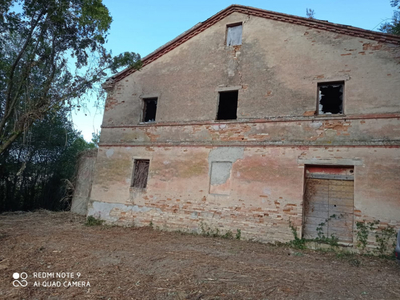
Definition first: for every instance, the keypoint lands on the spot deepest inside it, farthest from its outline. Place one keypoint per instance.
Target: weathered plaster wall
(83, 182)
(277, 69)
(317, 131)
(265, 191)
(248, 173)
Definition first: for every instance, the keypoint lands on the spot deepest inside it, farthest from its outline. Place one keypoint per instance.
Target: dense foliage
(37, 170)
(52, 55)
(40, 42)
(393, 27)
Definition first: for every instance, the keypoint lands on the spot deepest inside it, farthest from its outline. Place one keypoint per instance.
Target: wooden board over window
(234, 35)
(329, 202)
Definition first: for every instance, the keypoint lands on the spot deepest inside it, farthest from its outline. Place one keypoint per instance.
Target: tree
(35, 169)
(95, 139)
(310, 13)
(393, 27)
(38, 47)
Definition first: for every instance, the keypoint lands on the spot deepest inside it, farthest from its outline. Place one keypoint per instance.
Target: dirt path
(142, 263)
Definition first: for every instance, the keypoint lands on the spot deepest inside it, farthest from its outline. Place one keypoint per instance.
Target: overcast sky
(143, 26)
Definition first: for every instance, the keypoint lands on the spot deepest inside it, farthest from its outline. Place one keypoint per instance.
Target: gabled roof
(312, 23)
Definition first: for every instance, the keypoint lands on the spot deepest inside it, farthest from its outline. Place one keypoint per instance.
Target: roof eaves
(312, 23)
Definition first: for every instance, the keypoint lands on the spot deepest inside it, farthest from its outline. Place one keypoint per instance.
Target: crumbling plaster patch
(220, 172)
(109, 152)
(220, 161)
(104, 210)
(228, 154)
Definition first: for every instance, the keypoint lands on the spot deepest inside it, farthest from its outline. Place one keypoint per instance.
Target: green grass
(92, 221)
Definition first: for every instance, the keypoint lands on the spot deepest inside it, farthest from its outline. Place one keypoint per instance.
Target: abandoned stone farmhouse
(252, 120)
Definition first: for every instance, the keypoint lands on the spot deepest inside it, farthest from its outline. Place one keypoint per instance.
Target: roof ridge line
(267, 14)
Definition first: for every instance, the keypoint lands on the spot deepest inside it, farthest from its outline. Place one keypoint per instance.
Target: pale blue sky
(143, 26)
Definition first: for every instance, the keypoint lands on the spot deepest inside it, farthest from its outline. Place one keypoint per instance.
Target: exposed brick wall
(374, 131)
(266, 190)
(276, 71)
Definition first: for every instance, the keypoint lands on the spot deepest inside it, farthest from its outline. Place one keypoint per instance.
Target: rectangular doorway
(329, 202)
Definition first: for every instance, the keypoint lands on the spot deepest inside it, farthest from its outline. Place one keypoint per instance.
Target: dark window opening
(140, 173)
(234, 35)
(149, 110)
(330, 98)
(227, 105)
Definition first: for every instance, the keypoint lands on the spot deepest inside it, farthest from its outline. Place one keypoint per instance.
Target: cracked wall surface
(277, 68)
(258, 159)
(265, 191)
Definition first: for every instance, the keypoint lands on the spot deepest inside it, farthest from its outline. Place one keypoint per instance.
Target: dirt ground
(142, 263)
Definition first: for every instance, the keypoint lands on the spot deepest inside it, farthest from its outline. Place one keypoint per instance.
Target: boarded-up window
(234, 35)
(149, 110)
(330, 98)
(220, 177)
(140, 173)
